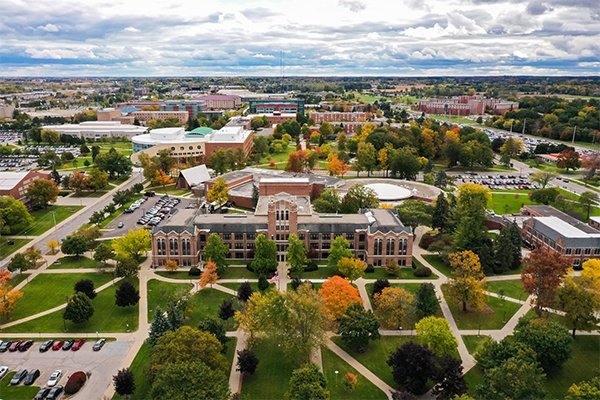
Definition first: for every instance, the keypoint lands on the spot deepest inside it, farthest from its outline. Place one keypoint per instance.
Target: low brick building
(14, 184)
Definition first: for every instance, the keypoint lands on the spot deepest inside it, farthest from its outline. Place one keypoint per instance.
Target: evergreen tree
(441, 179)
(159, 326)
(263, 283)
(244, 291)
(441, 213)
(247, 361)
(515, 237)
(426, 301)
(174, 316)
(486, 256)
(503, 252)
(55, 176)
(226, 310)
(126, 295)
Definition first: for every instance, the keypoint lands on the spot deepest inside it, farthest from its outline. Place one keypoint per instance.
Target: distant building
(320, 117)
(15, 184)
(275, 118)
(6, 111)
(220, 101)
(96, 130)
(109, 114)
(193, 107)
(550, 228)
(266, 106)
(466, 105)
(145, 116)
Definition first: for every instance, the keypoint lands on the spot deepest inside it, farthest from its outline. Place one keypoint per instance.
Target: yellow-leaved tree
(392, 306)
(133, 244)
(209, 275)
(218, 192)
(8, 296)
(467, 282)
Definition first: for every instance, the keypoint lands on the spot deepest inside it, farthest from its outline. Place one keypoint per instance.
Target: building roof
(203, 130)
(549, 211)
(97, 127)
(8, 180)
(196, 175)
(557, 229)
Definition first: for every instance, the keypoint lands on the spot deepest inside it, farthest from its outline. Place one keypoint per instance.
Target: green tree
(79, 308)
(126, 295)
(441, 213)
(133, 244)
(19, 263)
(97, 179)
(549, 339)
(435, 333)
(126, 267)
(15, 215)
(504, 251)
(104, 252)
(415, 213)
(587, 201)
(366, 158)
(216, 251)
(580, 304)
(75, 244)
(189, 380)
(113, 163)
(467, 281)
(124, 382)
(542, 178)
(218, 193)
(296, 255)
(585, 390)
(340, 248)
(247, 362)
(516, 378)
(449, 378)
(441, 180)
(160, 325)
(357, 327)
(85, 286)
(307, 382)
(359, 197)
(41, 192)
(544, 196)
(412, 366)
(515, 237)
(265, 255)
(426, 302)
(216, 328)
(351, 268)
(328, 202)
(244, 291)
(50, 136)
(404, 164)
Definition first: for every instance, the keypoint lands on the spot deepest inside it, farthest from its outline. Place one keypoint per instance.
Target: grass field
(364, 389)
(472, 342)
(44, 220)
(511, 288)
(107, 317)
(183, 275)
(278, 157)
(7, 249)
(69, 262)
(453, 118)
(142, 381)
(19, 392)
(206, 303)
(46, 291)
(161, 293)
(508, 203)
(438, 263)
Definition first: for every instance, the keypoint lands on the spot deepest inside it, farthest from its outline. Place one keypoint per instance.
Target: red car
(58, 344)
(77, 344)
(15, 345)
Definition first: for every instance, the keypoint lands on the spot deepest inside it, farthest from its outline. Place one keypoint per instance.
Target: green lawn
(508, 203)
(69, 262)
(325, 272)
(512, 288)
(50, 290)
(160, 293)
(98, 193)
(472, 342)
(494, 316)
(374, 358)
(278, 157)
(7, 249)
(206, 303)
(142, 381)
(19, 392)
(238, 272)
(107, 317)
(409, 287)
(364, 389)
(272, 375)
(183, 275)
(235, 286)
(43, 219)
(474, 377)
(438, 263)
(230, 351)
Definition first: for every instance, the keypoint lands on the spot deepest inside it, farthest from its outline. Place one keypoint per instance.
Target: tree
(161, 178)
(337, 295)
(126, 267)
(357, 198)
(190, 380)
(8, 296)
(542, 274)
(160, 325)
(426, 301)
(516, 378)
(75, 245)
(549, 339)
(351, 268)
(585, 390)
(435, 333)
(366, 158)
(307, 382)
(358, 326)
(544, 196)
(53, 245)
(591, 272)
(328, 202)
(171, 265)
(412, 366)
(96, 217)
(337, 167)
(441, 213)
(19, 263)
(41, 192)
(124, 382)
(218, 193)
(245, 291)
(78, 181)
(85, 286)
(296, 255)
(515, 237)
(50, 136)
(568, 159)
(340, 248)
(504, 251)
(133, 244)
(511, 148)
(226, 310)
(587, 201)
(379, 285)
(472, 200)
(216, 250)
(84, 150)
(450, 381)
(15, 215)
(97, 179)
(209, 275)
(95, 151)
(215, 327)
(392, 305)
(126, 295)
(404, 164)
(441, 180)
(55, 176)
(246, 362)
(467, 283)
(415, 213)
(542, 178)
(79, 308)
(112, 162)
(265, 255)
(579, 303)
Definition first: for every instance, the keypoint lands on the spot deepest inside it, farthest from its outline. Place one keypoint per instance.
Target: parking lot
(496, 182)
(100, 365)
(130, 220)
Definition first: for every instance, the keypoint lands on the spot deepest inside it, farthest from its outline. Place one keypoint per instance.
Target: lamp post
(336, 376)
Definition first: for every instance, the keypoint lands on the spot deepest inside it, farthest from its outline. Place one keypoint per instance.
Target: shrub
(350, 382)
(392, 268)
(311, 266)
(422, 272)
(249, 266)
(370, 269)
(296, 282)
(75, 382)
(428, 238)
(263, 283)
(194, 271)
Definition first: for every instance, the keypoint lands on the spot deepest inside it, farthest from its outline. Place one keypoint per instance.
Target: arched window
(173, 247)
(161, 247)
(186, 248)
(390, 247)
(378, 247)
(402, 247)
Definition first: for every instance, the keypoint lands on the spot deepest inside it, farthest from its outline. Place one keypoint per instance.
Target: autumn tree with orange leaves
(392, 306)
(8, 296)
(338, 294)
(209, 275)
(337, 167)
(543, 272)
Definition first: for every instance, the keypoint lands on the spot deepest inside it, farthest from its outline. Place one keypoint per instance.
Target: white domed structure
(389, 192)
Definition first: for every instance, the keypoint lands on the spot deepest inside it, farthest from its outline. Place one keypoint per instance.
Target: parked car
(55, 377)
(4, 346)
(42, 393)
(67, 345)
(31, 377)
(15, 346)
(77, 344)
(121, 224)
(99, 344)
(25, 345)
(149, 194)
(58, 344)
(18, 377)
(54, 393)
(45, 346)
(3, 371)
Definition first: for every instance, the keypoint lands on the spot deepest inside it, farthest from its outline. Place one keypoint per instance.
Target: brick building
(14, 184)
(220, 101)
(265, 106)
(320, 117)
(466, 105)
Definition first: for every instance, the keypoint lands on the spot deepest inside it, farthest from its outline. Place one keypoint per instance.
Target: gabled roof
(196, 175)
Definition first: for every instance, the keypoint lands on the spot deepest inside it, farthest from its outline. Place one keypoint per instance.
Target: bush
(194, 271)
(75, 382)
(263, 283)
(311, 266)
(370, 269)
(422, 272)
(428, 238)
(249, 266)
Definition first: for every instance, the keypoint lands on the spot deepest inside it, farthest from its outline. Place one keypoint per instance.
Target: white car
(3, 371)
(54, 378)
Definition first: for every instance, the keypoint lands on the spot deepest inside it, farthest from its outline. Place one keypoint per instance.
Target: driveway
(102, 365)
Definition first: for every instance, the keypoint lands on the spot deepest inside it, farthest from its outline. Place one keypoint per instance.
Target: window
(378, 247)
(227, 236)
(325, 245)
(238, 236)
(390, 247)
(301, 237)
(569, 251)
(350, 236)
(597, 251)
(576, 262)
(361, 237)
(191, 148)
(173, 247)
(587, 251)
(325, 236)
(186, 248)
(249, 245)
(181, 148)
(161, 247)
(250, 236)
(239, 246)
(402, 247)
(314, 236)
(203, 238)
(577, 251)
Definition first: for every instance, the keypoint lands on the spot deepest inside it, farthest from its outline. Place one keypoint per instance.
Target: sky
(310, 37)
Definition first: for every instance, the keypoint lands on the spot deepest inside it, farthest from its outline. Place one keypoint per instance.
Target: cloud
(537, 8)
(353, 5)
(49, 28)
(131, 29)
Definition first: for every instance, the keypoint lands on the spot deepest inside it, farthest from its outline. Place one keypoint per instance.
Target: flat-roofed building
(15, 184)
(320, 117)
(265, 106)
(193, 107)
(220, 101)
(96, 130)
(144, 116)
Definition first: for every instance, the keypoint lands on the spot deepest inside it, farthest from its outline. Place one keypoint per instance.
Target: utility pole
(524, 123)
(574, 130)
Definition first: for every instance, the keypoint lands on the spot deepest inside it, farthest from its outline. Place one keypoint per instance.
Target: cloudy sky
(315, 37)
